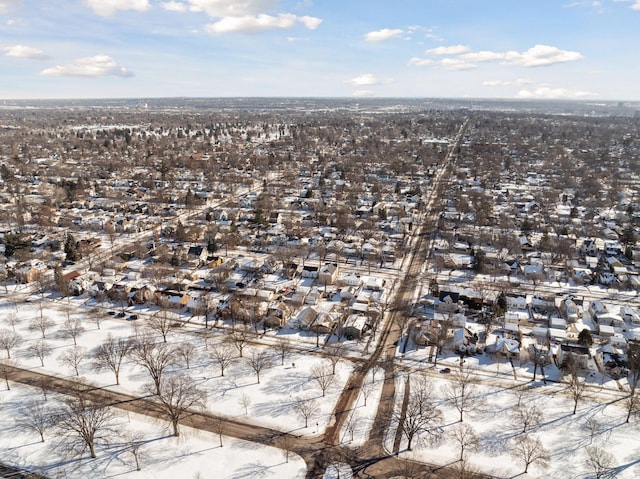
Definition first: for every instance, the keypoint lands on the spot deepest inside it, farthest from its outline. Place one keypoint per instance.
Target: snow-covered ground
(355, 431)
(564, 435)
(271, 403)
(194, 454)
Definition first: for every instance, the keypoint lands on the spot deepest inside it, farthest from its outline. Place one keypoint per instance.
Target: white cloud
(538, 55)
(109, 7)
(232, 8)
(545, 55)
(433, 36)
(383, 35)
(310, 22)
(450, 50)
(174, 6)
(456, 64)
(259, 23)
(420, 62)
(487, 56)
(23, 51)
(6, 5)
(553, 93)
(365, 79)
(635, 6)
(96, 66)
(518, 82)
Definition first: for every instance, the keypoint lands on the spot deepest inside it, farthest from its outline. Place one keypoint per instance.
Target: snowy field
(194, 454)
(565, 436)
(273, 402)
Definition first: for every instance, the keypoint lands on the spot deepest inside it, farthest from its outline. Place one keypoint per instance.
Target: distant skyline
(524, 49)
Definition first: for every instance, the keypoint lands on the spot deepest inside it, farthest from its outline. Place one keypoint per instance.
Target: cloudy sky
(319, 48)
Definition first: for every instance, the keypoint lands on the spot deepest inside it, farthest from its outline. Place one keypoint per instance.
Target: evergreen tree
(584, 338)
(71, 248)
(212, 246)
(61, 284)
(479, 260)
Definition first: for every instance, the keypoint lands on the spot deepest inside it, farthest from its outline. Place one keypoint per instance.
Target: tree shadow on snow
(497, 442)
(253, 470)
(284, 384)
(273, 408)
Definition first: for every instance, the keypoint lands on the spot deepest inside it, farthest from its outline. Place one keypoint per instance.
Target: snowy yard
(565, 436)
(194, 454)
(285, 383)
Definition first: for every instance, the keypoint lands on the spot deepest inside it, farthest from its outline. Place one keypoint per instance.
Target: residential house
(580, 355)
(355, 326)
(309, 271)
(569, 310)
(447, 302)
(304, 319)
(324, 323)
(328, 273)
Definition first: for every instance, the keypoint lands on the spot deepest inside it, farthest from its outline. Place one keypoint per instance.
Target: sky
(528, 49)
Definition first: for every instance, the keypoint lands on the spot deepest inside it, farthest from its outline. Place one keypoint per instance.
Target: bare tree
(111, 353)
(594, 428)
(245, 401)
(41, 323)
(284, 349)
(286, 444)
(441, 336)
(223, 356)
(420, 416)
(218, 425)
(135, 441)
(161, 322)
(9, 340)
(520, 393)
(239, 339)
(305, 408)
(178, 396)
(526, 416)
(7, 370)
(323, 377)
(632, 405)
(540, 357)
(35, 417)
(83, 421)
(154, 357)
(259, 361)
(529, 450)
(73, 357)
(12, 320)
(466, 437)
(462, 392)
(186, 352)
(334, 353)
(576, 389)
(40, 349)
(96, 316)
(366, 391)
(599, 461)
(72, 328)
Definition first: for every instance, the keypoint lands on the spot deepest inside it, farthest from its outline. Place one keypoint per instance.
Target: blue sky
(319, 48)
